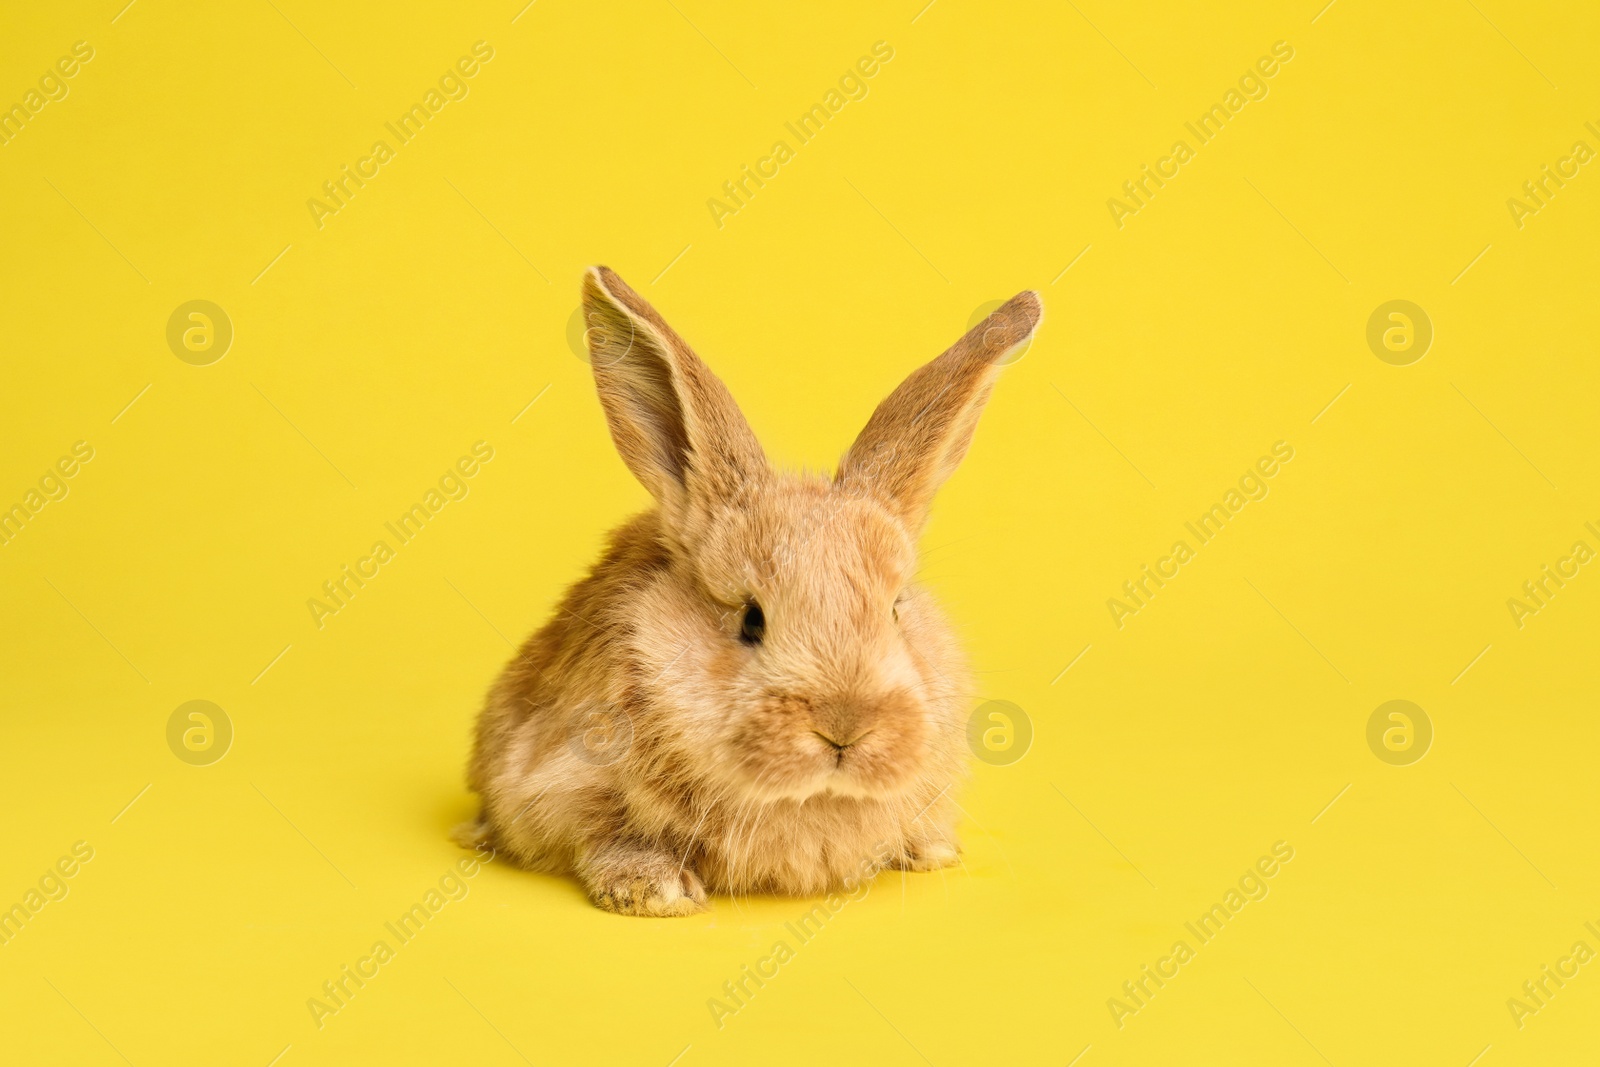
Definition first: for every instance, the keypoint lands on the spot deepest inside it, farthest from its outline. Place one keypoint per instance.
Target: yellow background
(430, 311)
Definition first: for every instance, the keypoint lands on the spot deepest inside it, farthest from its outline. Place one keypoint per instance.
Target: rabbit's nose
(832, 737)
(840, 722)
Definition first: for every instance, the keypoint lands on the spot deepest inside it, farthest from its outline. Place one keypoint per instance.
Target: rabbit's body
(563, 774)
(747, 693)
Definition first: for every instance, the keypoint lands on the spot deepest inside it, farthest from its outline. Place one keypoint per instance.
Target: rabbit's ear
(919, 434)
(673, 421)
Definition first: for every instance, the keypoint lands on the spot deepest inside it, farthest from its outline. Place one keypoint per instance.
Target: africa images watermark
(339, 991)
(852, 86)
(1252, 485)
(740, 991)
(52, 886)
(1537, 992)
(52, 86)
(1252, 85)
(1539, 191)
(351, 579)
(1251, 886)
(452, 85)
(52, 486)
(1538, 592)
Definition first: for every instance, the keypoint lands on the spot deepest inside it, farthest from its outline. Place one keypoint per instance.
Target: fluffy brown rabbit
(747, 693)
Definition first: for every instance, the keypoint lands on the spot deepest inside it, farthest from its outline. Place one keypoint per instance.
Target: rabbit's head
(784, 651)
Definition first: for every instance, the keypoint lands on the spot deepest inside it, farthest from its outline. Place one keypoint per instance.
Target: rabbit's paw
(474, 834)
(927, 855)
(630, 882)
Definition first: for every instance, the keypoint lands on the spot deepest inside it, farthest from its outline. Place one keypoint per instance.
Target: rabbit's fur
(655, 742)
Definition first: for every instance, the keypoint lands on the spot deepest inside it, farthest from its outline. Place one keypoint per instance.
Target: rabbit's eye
(754, 624)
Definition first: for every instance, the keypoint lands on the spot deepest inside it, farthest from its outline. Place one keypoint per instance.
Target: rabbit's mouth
(854, 769)
(835, 782)
(870, 766)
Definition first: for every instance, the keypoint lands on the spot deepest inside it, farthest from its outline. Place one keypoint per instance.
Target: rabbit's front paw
(927, 855)
(630, 882)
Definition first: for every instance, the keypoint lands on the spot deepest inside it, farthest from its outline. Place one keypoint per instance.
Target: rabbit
(748, 693)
